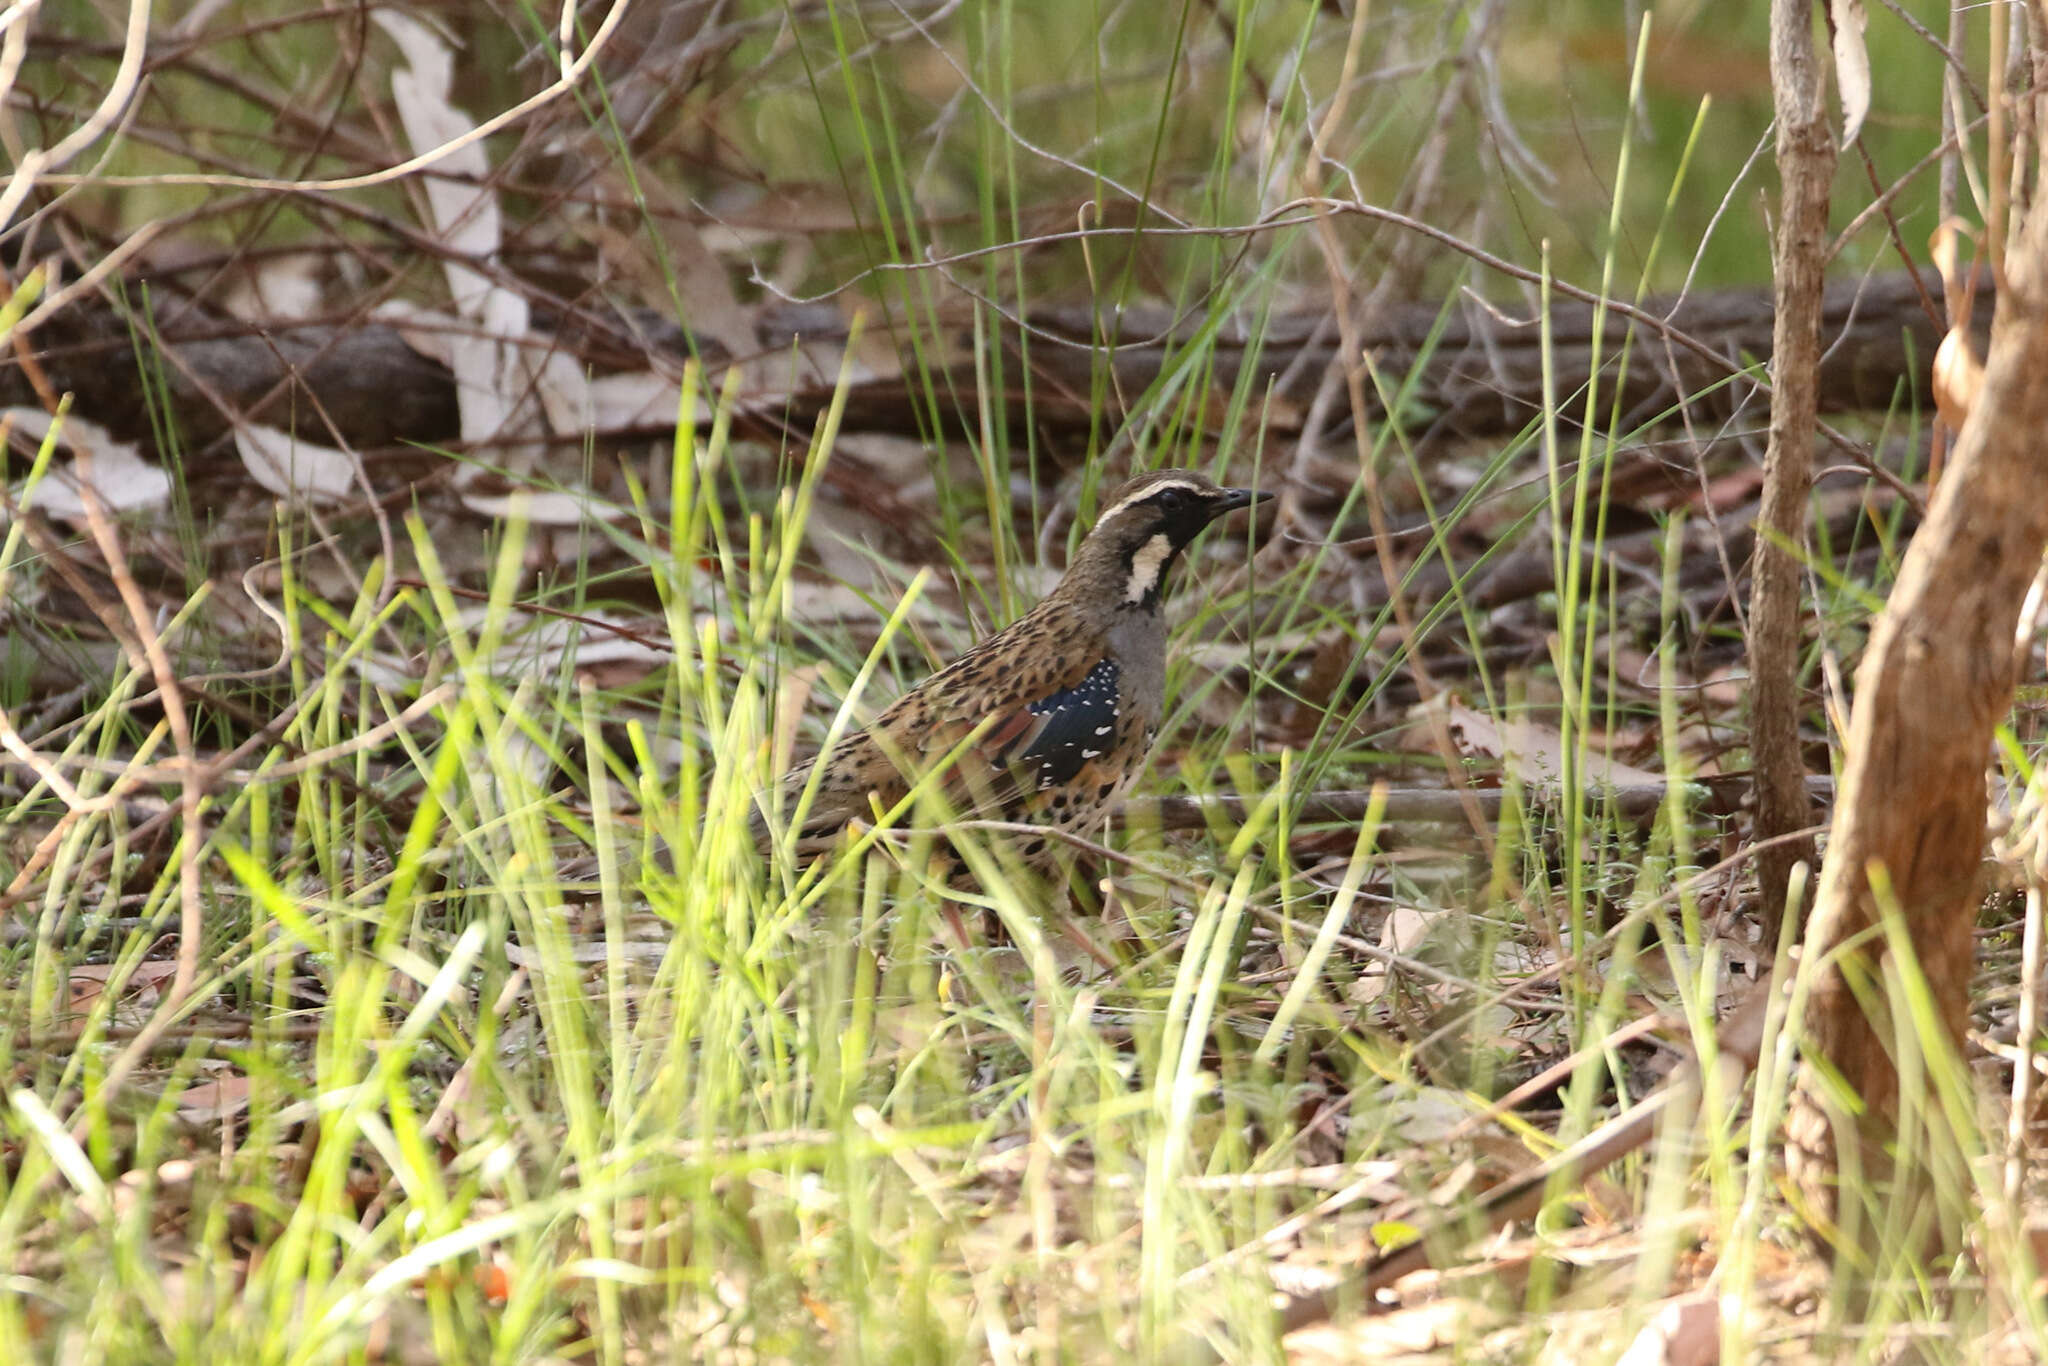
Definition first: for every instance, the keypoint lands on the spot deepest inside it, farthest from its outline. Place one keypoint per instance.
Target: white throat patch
(1145, 567)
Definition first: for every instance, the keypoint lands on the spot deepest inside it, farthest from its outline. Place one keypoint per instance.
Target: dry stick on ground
(1632, 801)
(1937, 677)
(1738, 1042)
(1806, 163)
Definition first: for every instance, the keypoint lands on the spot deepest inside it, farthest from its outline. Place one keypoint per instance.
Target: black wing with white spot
(1057, 735)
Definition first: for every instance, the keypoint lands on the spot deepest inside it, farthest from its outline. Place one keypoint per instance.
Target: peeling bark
(1936, 679)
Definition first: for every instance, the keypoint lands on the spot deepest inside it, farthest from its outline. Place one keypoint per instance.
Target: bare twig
(147, 655)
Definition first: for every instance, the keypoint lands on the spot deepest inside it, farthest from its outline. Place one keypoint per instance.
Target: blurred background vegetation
(904, 130)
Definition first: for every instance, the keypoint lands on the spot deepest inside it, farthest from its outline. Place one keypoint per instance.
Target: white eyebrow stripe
(1149, 491)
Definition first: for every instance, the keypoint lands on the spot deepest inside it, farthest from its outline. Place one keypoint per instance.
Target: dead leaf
(1852, 65)
(208, 1101)
(1406, 930)
(639, 399)
(1958, 373)
(491, 375)
(1430, 1327)
(425, 330)
(1958, 378)
(792, 696)
(598, 640)
(1685, 1332)
(689, 271)
(463, 209)
(563, 391)
(280, 288)
(124, 481)
(293, 468)
(548, 507)
(1428, 1115)
(1535, 754)
(88, 981)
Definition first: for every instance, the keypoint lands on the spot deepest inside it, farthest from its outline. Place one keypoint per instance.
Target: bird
(1046, 721)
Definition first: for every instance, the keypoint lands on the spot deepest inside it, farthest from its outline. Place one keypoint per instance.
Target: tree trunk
(1806, 163)
(1910, 812)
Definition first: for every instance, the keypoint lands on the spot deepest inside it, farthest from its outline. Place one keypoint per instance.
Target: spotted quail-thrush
(1062, 704)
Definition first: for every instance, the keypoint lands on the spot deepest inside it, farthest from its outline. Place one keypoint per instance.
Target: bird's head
(1142, 530)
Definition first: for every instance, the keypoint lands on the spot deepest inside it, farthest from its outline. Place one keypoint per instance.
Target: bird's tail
(775, 796)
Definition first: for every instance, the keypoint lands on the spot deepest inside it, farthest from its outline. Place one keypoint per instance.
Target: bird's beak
(1233, 499)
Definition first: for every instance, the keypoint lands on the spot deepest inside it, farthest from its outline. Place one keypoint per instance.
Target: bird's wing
(1047, 741)
(1013, 721)
(1031, 731)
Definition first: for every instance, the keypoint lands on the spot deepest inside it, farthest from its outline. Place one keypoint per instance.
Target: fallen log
(359, 380)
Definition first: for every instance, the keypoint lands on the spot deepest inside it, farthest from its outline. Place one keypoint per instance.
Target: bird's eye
(1173, 502)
